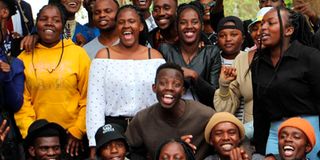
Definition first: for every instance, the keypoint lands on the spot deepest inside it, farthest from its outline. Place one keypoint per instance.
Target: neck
(146, 14)
(71, 16)
(230, 56)
(108, 37)
(207, 28)
(175, 112)
(189, 49)
(277, 52)
(3, 29)
(130, 49)
(169, 33)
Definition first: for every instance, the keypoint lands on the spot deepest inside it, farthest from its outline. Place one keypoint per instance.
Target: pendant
(51, 70)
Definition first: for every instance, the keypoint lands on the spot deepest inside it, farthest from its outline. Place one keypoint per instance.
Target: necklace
(52, 69)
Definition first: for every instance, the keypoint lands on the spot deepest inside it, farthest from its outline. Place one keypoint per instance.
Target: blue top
(12, 85)
(85, 31)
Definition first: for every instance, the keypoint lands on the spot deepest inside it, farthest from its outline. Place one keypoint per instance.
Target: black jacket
(206, 63)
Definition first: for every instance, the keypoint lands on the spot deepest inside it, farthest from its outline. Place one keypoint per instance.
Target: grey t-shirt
(94, 46)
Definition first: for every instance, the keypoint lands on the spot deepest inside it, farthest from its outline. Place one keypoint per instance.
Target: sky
(36, 5)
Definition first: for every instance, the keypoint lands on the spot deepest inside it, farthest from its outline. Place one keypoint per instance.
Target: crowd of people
(175, 81)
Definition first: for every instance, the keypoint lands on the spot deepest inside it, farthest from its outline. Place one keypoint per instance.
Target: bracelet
(224, 95)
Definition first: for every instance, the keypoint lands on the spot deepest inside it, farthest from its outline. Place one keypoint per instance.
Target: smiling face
(189, 26)
(270, 29)
(255, 32)
(293, 144)
(224, 137)
(207, 4)
(164, 12)
(168, 87)
(115, 149)
(172, 150)
(142, 4)
(46, 148)
(72, 6)
(49, 26)
(230, 40)
(129, 26)
(104, 14)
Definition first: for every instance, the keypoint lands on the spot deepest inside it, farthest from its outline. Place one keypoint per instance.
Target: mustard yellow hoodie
(58, 95)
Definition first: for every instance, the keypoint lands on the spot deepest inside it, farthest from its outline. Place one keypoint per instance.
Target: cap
(108, 133)
(302, 125)
(259, 16)
(223, 117)
(238, 24)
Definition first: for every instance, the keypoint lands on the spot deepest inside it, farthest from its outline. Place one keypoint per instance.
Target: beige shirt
(241, 87)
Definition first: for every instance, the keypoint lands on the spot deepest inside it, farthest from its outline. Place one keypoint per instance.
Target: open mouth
(142, 2)
(48, 31)
(189, 34)
(72, 4)
(167, 99)
(103, 22)
(115, 158)
(288, 150)
(127, 35)
(227, 147)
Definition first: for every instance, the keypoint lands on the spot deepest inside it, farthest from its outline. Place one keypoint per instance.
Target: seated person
(296, 139)
(171, 117)
(45, 140)
(225, 133)
(174, 149)
(111, 143)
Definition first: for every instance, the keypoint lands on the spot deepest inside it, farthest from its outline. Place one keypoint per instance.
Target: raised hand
(227, 74)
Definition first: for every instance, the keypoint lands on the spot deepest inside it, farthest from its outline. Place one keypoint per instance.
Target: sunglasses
(210, 4)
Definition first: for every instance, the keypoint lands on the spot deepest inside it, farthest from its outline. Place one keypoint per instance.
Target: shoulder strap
(108, 53)
(149, 53)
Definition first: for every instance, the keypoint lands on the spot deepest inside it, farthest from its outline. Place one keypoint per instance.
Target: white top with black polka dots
(118, 88)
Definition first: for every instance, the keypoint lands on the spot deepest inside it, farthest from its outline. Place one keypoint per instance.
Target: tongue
(288, 153)
(127, 36)
(167, 100)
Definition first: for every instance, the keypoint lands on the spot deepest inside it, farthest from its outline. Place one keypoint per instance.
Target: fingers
(235, 154)
(3, 124)
(187, 139)
(4, 67)
(28, 42)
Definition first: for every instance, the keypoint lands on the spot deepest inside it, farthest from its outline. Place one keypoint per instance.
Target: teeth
(126, 33)
(227, 147)
(288, 148)
(72, 3)
(143, 2)
(168, 96)
(189, 33)
(103, 22)
(48, 31)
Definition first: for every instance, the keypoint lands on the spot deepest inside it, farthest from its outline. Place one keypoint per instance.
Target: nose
(225, 136)
(114, 148)
(228, 38)
(51, 151)
(161, 13)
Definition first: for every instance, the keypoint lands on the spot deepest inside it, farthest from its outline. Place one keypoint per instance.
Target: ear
(31, 151)
(308, 148)
(289, 31)
(154, 88)
(141, 27)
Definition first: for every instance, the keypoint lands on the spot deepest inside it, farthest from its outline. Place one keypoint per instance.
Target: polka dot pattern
(118, 88)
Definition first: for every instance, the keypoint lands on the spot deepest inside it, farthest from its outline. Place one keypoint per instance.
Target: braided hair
(186, 148)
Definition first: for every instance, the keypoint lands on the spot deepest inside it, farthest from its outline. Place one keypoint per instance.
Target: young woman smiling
(201, 65)
(56, 79)
(285, 78)
(121, 76)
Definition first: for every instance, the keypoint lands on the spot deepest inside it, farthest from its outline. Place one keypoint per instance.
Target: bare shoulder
(155, 54)
(102, 53)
